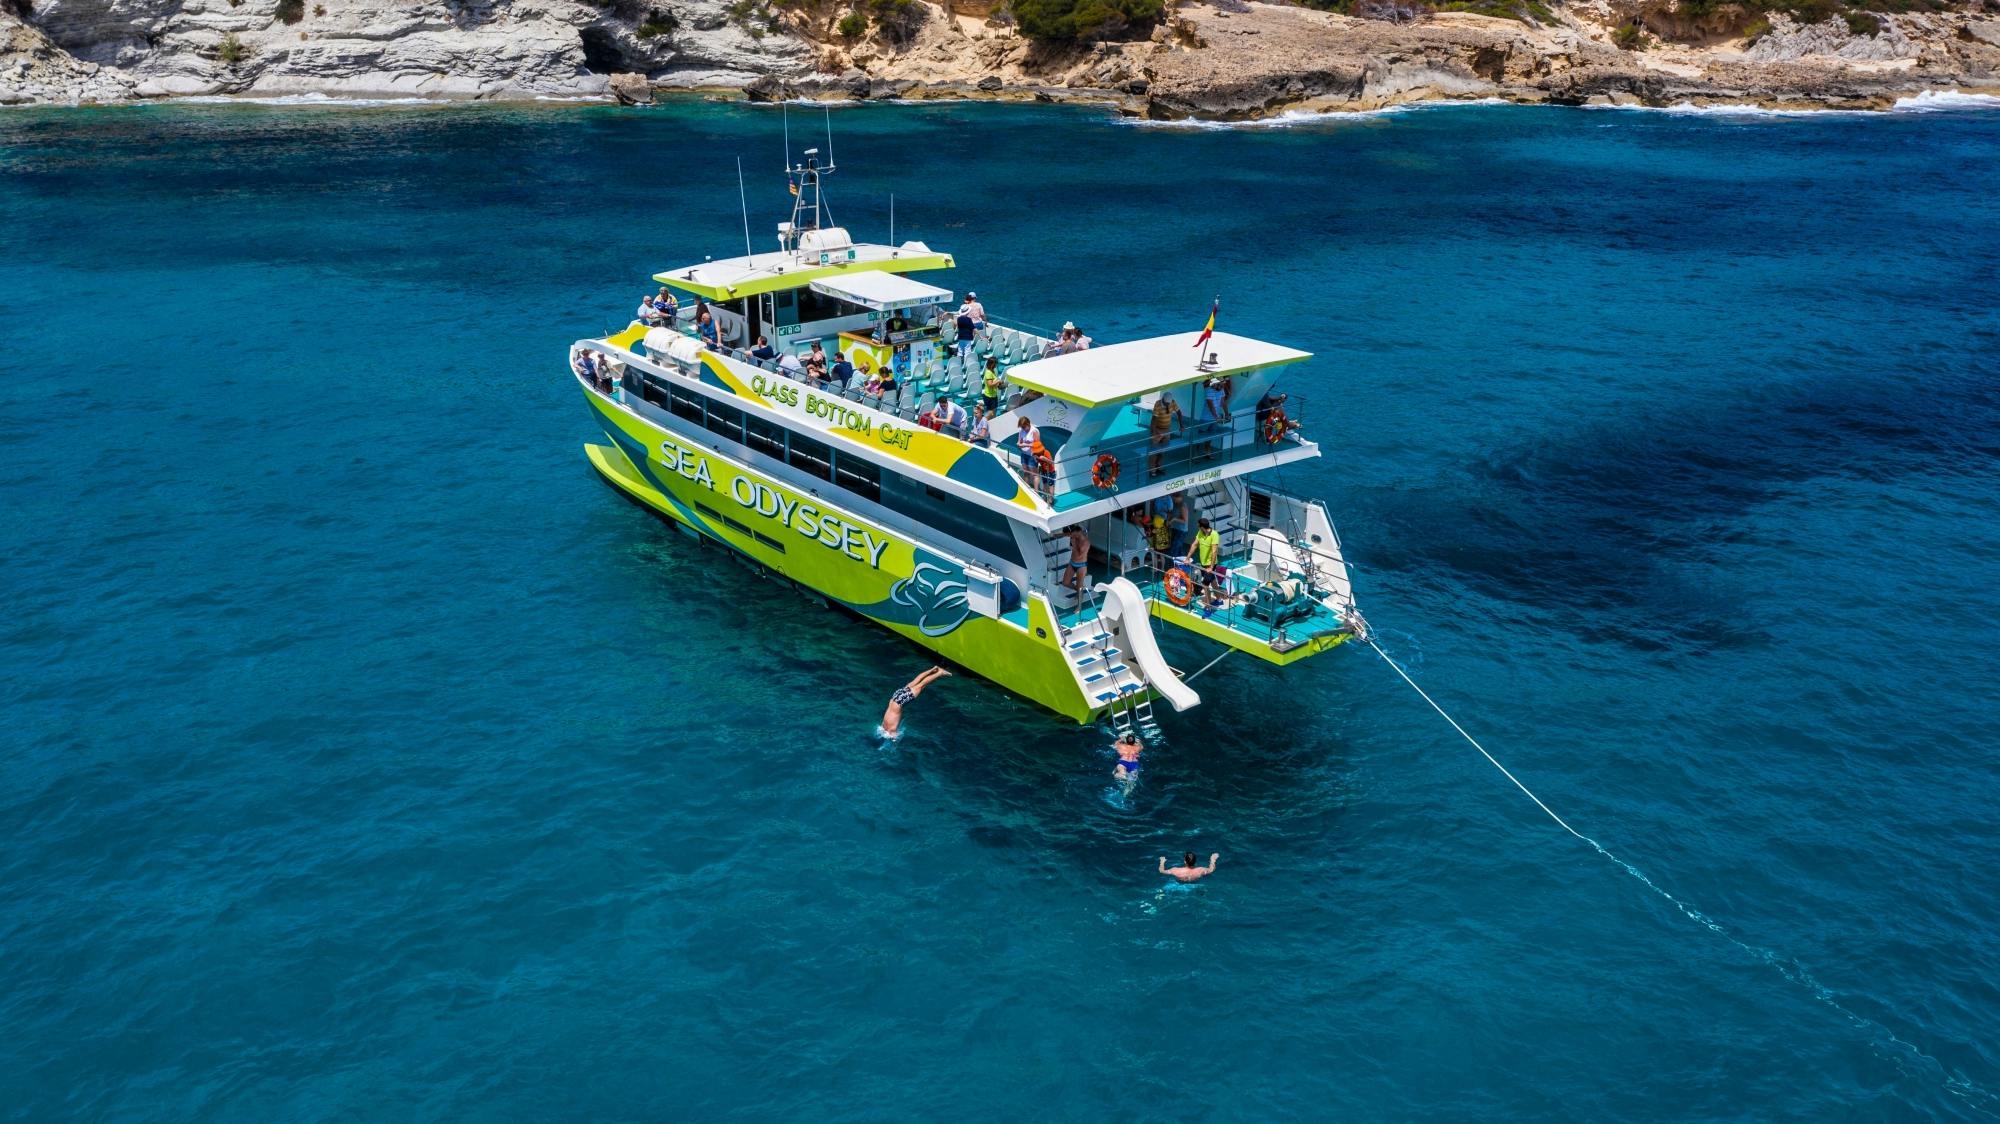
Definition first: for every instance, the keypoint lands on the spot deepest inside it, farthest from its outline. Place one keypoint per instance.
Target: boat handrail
(1230, 614)
(1208, 441)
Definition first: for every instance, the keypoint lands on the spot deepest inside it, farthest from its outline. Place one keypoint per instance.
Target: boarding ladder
(1108, 680)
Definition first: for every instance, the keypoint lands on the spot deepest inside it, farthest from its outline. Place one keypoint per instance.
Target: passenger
(1078, 341)
(1028, 442)
(951, 417)
(584, 366)
(1157, 533)
(668, 308)
(1079, 559)
(1166, 414)
(1045, 471)
(842, 371)
(974, 309)
(967, 330)
(873, 387)
(1208, 553)
(1177, 526)
(816, 365)
(790, 365)
(892, 718)
(647, 314)
(1188, 871)
(1066, 342)
(981, 433)
(1217, 395)
(990, 386)
(763, 351)
(704, 327)
(1128, 747)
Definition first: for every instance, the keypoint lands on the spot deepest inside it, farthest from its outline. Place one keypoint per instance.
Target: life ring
(1180, 590)
(1274, 427)
(1104, 471)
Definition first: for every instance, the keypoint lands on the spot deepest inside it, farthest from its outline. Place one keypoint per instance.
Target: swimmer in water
(1128, 747)
(1188, 871)
(892, 718)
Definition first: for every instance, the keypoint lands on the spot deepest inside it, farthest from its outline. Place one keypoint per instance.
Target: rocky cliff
(68, 50)
(1216, 58)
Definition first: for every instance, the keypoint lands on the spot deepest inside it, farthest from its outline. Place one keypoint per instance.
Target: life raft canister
(1104, 471)
(1180, 590)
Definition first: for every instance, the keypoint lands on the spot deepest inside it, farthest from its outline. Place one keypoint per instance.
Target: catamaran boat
(863, 499)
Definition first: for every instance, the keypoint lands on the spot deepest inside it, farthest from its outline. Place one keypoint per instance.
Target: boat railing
(907, 401)
(1230, 609)
(1136, 461)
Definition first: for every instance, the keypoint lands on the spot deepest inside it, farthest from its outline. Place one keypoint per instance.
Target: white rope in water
(1955, 1083)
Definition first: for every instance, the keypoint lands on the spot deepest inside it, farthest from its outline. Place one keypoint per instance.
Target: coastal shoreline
(1213, 61)
(1912, 99)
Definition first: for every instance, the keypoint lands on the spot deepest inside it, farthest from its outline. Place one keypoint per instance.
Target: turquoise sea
(366, 758)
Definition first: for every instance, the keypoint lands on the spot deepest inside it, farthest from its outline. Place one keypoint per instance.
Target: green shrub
(656, 25)
(1083, 19)
(231, 50)
(1628, 37)
(852, 25)
(319, 9)
(1756, 31)
(291, 11)
(898, 20)
(1863, 23)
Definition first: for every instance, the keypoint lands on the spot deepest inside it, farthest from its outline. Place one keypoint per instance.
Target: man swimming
(1129, 748)
(892, 718)
(1187, 871)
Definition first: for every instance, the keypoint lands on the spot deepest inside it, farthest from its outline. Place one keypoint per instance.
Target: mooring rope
(1955, 1083)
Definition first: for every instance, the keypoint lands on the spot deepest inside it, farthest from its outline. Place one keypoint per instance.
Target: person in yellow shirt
(1208, 554)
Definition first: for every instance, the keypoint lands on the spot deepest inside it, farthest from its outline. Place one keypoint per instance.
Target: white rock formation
(71, 50)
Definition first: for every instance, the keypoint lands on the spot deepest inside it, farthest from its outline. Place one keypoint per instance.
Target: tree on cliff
(1083, 19)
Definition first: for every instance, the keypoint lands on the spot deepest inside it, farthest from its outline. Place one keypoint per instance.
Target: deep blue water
(366, 758)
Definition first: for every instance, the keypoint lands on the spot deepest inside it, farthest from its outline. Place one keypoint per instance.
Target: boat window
(686, 404)
(726, 421)
(967, 522)
(765, 437)
(1260, 506)
(808, 455)
(863, 478)
(816, 306)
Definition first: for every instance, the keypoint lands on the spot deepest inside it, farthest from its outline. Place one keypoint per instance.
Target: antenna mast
(749, 255)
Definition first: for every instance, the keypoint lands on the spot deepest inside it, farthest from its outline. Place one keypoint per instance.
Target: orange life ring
(1104, 471)
(1274, 427)
(1180, 591)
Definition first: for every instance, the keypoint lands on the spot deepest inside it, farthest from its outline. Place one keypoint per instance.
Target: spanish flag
(1210, 329)
(794, 185)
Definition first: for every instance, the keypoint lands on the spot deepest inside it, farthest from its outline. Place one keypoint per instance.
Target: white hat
(970, 295)
(1069, 326)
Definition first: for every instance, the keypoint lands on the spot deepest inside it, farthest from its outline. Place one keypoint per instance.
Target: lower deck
(1237, 612)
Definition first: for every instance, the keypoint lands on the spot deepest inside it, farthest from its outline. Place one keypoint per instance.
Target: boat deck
(1231, 624)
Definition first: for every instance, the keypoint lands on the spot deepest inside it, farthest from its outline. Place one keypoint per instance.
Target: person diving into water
(1188, 871)
(892, 718)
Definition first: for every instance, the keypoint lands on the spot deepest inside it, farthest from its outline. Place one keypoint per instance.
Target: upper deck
(1214, 433)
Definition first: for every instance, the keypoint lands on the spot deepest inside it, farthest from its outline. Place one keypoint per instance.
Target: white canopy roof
(880, 291)
(1121, 371)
